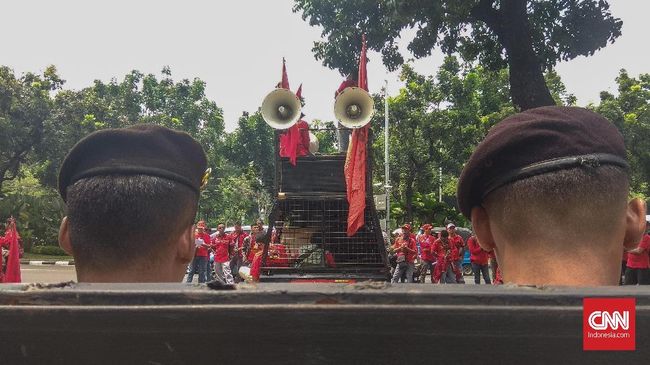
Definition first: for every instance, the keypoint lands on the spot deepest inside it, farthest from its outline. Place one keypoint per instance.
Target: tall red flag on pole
(285, 79)
(290, 139)
(13, 261)
(355, 161)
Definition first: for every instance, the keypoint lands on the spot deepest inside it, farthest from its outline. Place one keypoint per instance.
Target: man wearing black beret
(131, 196)
(547, 189)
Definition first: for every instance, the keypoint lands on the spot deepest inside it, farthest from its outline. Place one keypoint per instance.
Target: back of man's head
(549, 186)
(131, 197)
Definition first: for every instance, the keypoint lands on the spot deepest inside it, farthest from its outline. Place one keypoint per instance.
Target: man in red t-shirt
(406, 250)
(456, 240)
(238, 237)
(200, 262)
(638, 263)
(446, 253)
(222, 246)
(479, 259)
(426, 252)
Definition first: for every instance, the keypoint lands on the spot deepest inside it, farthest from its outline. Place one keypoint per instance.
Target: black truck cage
(309, 216)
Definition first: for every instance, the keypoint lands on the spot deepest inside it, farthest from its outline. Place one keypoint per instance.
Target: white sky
(237, 48)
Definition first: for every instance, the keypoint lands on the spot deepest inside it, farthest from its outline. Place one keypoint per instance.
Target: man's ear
(634, 223)
(481, 225)
(64, 236)
(185, 246)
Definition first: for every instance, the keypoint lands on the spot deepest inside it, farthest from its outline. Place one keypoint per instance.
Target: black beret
(534, 142)
(142, 149)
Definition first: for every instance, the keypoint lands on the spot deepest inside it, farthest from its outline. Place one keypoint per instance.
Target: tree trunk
(510, 23)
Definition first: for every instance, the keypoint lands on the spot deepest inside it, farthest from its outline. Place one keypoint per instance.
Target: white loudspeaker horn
(314, 145)
(281, 109)
(354, 107)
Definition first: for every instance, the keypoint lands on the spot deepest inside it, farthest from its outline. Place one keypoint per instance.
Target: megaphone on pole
(281, 109)
(354, 107)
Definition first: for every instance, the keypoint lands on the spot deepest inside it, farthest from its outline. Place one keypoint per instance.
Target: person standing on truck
(406, 251)
(131, 195)
(549, 185)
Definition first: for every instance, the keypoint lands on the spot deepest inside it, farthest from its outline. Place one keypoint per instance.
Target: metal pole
(440, 184)
(386, 159)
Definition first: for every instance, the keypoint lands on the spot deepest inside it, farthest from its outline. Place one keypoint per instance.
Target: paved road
(47, 273)
(56, 274)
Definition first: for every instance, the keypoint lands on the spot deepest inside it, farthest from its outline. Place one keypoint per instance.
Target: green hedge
(48, 250)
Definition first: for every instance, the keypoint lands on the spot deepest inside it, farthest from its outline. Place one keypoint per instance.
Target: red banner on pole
(355, 161)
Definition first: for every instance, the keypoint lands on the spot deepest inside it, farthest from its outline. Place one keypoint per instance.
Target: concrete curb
(47, 262)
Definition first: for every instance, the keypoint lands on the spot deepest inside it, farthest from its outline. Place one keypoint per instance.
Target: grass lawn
(38, 257)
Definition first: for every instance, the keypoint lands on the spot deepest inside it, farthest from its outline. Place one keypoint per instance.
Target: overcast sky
(237, 48)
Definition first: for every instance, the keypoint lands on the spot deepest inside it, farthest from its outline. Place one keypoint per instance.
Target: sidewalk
(47, 262)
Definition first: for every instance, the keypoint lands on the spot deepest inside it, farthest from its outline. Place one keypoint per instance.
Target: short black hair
(581, 200)
(118, 220)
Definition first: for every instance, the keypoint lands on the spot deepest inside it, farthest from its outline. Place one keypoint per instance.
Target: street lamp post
(386, 159)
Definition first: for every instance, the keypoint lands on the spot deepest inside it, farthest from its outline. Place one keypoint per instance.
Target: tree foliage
(630, 112)
(435, 124)
(527, 36)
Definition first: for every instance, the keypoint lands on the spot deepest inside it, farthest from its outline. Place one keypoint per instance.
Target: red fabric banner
(355, 161)
(13, 261)
(290, 139)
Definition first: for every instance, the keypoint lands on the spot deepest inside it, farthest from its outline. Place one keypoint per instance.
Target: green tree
(24, 107)
(526, 36)
(630, 112)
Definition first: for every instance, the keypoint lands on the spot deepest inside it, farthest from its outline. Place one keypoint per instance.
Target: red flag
(299, 92)
(291, 138)
(285, 79)
(13, 261)
(355, 161)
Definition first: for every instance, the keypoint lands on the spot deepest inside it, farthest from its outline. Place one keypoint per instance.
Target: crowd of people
(413, 256)
(236, 256)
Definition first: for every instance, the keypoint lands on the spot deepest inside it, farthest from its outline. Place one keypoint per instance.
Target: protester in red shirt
(456, 240)
(200, 262)
(446, 271)
(406, 251)
(222, 245)
(238, 236)
(426, 252)
(638, 263)
(479, 259)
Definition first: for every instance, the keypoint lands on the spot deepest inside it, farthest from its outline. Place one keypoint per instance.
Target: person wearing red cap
(479, 258)
(200, 262)
(406, 250)
(446, 271)
(456, 240)
(426, 240)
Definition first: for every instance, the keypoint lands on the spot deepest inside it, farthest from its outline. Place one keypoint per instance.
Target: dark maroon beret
(534, 142)
(143, 149)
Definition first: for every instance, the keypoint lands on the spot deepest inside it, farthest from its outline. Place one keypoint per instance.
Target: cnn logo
(609, 324)
(603, 320)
